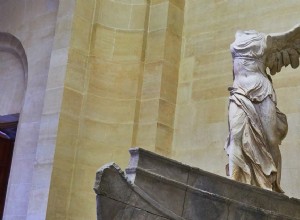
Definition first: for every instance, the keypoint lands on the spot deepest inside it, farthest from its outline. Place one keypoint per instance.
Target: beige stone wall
(205, 74)
(143, 73)
(59, 122)
(119, 91)
(156, 104)
(122, 73)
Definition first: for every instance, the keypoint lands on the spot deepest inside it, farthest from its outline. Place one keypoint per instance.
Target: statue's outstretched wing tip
(284, 50)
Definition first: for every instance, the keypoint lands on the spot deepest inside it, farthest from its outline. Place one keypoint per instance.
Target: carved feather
(283, 50)
(279, 61)
(297, 45)
(294, 57)
(271, 61)
(285, 58)
(273, 70)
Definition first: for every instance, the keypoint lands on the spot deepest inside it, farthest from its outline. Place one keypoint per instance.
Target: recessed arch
(13, 74)
(9, 43)
(13, 83)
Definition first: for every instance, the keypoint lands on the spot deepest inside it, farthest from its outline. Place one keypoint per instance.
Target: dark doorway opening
(8, 129)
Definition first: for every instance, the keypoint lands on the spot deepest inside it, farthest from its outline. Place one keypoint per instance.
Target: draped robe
(256, 126)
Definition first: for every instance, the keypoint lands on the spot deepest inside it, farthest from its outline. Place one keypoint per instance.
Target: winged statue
(256, 126)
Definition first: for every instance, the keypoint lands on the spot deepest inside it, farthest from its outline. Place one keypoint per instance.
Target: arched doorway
(8, 129)
(13, 80)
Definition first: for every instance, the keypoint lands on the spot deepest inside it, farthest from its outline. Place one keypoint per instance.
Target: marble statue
(256, 126)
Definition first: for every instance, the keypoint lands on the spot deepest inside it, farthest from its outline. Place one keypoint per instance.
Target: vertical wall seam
(140, 79)
(82, 108)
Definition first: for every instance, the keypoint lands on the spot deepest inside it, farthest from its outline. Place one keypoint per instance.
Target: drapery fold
(250, 156)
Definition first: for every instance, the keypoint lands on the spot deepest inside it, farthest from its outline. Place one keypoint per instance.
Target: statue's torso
(248, 67)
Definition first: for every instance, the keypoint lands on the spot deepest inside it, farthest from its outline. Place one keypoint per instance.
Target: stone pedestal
(155, 187)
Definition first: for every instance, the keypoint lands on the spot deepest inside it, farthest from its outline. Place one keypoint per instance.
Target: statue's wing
(283, 50)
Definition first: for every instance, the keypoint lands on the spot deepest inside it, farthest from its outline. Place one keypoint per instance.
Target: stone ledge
(210, 182)
(160, 198)
(148, 191)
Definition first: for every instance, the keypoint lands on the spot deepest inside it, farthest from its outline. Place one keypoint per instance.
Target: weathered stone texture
(160, 188)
